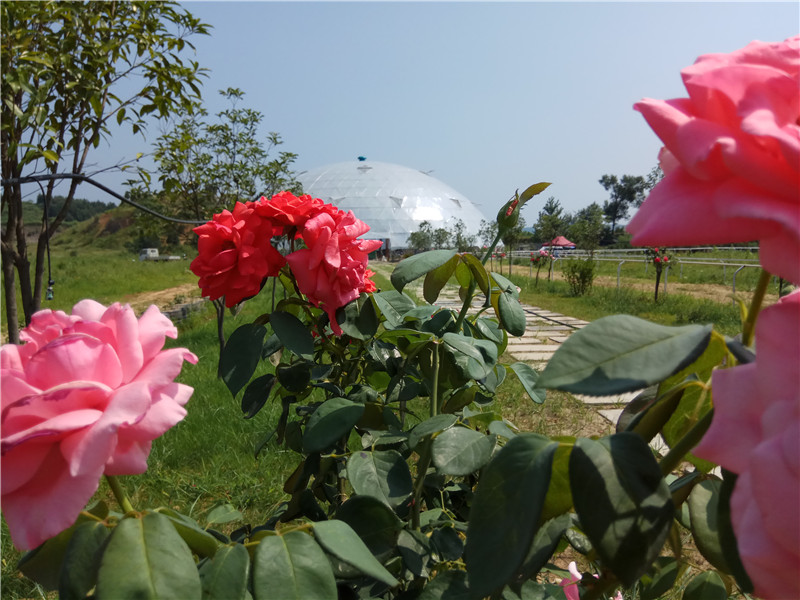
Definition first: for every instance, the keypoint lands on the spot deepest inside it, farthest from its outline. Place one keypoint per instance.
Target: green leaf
(505, 511)
(239, 358)
(358, 318)
(416, 266)
(338, 538)
(224, 513)
(695, 401)
(383, 474)
(528, 377)
(292, 567)
(295, 377)
(703, 504)
(373, 521)
(559, 495)
(393, 306)
(50, 155)
(199, 541)
(436, 280)
(507, 307)
(293, 334)
(257, 394)
(620, 354)
(459, 451)
(224, 577)
(708, 585)
(42, 564)
(533, 190)
(727, 537)
(79, 569)
(474, 358)
(146, 558)
(478, 271)
(429, 427)
(624, 505)
(659, 581)
(544, 544)
(447, 585)
(333, 419)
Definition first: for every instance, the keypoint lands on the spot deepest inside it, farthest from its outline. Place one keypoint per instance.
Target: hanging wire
(84, 178)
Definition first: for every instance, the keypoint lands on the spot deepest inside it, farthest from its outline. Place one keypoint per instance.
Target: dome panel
(393, 200)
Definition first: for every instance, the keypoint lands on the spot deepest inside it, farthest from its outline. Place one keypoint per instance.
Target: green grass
(671, 309)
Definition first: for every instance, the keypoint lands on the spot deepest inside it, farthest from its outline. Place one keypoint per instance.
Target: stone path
(544, 333)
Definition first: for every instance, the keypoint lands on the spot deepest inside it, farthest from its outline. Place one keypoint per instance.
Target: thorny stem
(119, 493)
(749, 327)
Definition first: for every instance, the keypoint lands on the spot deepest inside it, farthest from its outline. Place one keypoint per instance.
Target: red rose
(656, 259)
(332, 270)
(286, 209)
(235, 254)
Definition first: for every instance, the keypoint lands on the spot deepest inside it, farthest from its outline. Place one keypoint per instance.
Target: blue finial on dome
(362, 158)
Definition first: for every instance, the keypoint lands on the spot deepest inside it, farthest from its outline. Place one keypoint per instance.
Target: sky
(489, 97)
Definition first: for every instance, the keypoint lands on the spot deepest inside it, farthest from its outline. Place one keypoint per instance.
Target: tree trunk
(10, 297)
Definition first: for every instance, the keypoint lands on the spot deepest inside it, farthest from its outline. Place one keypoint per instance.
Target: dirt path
(163, 298)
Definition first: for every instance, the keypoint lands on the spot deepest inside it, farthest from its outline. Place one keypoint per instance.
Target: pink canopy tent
(562, 242)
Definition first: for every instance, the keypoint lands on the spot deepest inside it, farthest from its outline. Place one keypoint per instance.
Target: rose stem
(119, 493)
(755, 306)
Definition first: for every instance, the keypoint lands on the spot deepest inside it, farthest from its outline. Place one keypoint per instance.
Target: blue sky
(489, 96)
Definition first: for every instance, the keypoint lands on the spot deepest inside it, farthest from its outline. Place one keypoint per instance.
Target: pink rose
(731, 157)
(85, 395)
(570, 584)
(235, 254)
(332, 270)
(756, 434)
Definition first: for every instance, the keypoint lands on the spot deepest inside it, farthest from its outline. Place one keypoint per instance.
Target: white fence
(639, 255)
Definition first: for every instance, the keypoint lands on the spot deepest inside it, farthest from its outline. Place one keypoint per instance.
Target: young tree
(551, 221)
(208, 166)
(461, 240)
(441, 238)
(422, 239)
(488, 232)
(630, 190)
(70, 71)
(587, 228)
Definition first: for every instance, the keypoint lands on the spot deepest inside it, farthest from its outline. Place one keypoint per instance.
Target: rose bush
(756, 434)
(731, 156)
(84, 396)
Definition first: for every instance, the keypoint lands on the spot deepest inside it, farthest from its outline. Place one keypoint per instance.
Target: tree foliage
(624, 193)
(206, 166)
(586, 229)
(552, 221)
(71, 72)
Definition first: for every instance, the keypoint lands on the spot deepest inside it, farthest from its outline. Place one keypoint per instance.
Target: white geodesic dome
(393, 200)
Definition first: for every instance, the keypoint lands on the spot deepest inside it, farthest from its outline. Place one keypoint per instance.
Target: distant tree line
(589, 228)
(78, 209)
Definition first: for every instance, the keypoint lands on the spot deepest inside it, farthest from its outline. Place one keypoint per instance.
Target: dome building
(393, 200)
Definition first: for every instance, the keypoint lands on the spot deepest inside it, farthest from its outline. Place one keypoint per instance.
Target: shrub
(579, 275)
